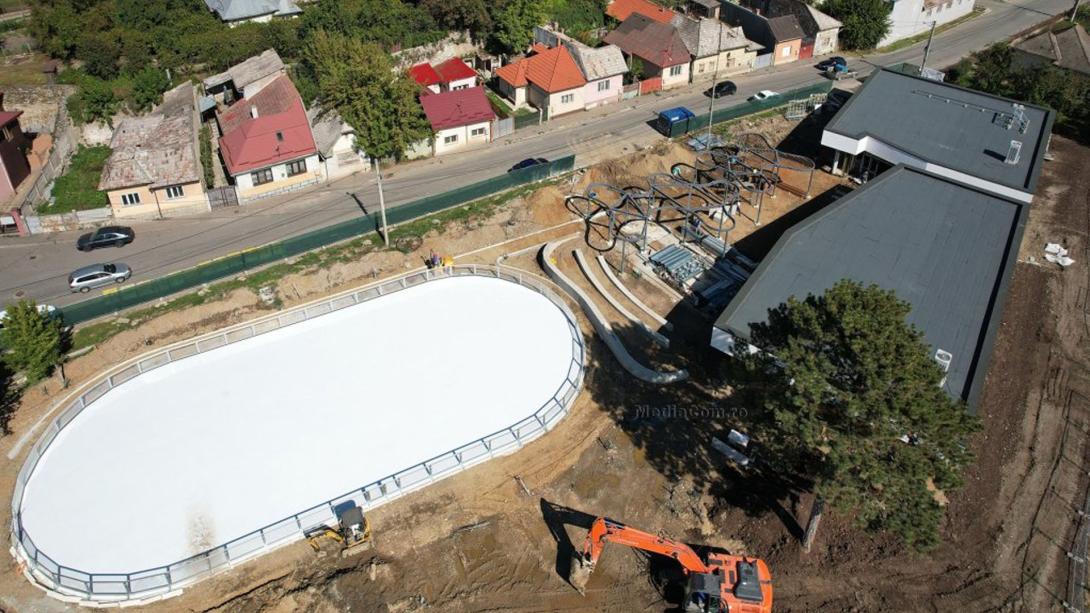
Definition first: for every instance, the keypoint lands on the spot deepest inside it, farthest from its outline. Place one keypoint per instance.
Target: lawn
(26, 70)
(77, 188)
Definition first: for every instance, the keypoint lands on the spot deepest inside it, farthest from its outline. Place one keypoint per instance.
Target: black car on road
(829, 62)
(106, 236)
(722, 88)
(527, 163)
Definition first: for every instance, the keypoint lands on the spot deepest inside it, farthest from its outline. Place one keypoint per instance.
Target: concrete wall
(515, 95)
(464, 137)
(281, 181)
(344, 159)
(787, 52)
(592, 97)
(193, 199)
(826, 41)
(911, 17)
(461, 83)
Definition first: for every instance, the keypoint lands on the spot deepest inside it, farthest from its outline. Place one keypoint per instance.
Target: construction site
(542, 422)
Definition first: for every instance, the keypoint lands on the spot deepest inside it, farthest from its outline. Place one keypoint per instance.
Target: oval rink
(206, 449)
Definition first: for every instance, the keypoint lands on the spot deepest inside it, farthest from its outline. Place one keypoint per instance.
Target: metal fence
(754, 106)
(104, 589)
(130, 296)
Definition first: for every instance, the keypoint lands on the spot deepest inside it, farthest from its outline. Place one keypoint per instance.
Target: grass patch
(498, 104)
(477, 209)
(912, 40)
(28, 71)
(77, 188)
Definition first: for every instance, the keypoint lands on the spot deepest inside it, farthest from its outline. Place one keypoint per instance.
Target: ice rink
(206, 449)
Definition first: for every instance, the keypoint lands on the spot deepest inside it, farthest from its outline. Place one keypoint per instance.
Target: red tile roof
(457, 108)
(7, 117)
(425, 75)
(279, 133)
(553, 70)
(621, 9)
(455, 69)
(658, 43)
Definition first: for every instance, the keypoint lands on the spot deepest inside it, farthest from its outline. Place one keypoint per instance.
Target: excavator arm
(604, 531)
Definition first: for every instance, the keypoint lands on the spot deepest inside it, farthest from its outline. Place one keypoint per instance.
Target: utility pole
(927, 49)
(1074, 10)
(715, 81)
(382, 204)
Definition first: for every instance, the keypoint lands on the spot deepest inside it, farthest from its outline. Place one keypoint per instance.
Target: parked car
(722, 88)
(106, 236)
(830, 62)
(528, 163)
(97, 275)
(764, 94)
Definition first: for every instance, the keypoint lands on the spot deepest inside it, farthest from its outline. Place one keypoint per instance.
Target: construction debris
(1057, 254)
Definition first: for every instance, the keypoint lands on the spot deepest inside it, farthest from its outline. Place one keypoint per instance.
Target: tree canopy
(33, 341)
(866, 22)
(514, 29)
(841, 383)
(358, 80)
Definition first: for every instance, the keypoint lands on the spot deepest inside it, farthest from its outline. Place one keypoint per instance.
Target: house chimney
(253, 112)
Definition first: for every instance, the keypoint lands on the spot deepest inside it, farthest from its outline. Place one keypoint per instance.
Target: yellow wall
(192, 198)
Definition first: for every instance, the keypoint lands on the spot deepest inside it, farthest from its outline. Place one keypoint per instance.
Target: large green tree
(148, 86)
(33, 341)
(469, 15)
(866, 22)
(514, 24)
(849, 400)
(358, 80)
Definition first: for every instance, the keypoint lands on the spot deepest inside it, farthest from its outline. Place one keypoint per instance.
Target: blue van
(670, 118)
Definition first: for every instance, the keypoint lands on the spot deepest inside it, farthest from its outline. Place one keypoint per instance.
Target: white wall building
(911, 17)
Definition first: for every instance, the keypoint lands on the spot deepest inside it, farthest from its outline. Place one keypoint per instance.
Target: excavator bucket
(579, 572)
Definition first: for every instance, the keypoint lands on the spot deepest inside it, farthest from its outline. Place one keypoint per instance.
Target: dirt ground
(498, 537)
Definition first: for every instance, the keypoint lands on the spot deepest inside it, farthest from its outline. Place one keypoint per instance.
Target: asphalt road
(37, 267)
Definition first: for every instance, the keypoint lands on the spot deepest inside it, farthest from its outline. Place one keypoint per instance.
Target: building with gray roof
(1068, 49)
(238, 11)
(946, 248)
(598, 62)
(246, 78)
(986, 141)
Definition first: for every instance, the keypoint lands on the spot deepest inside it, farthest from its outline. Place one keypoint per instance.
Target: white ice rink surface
(206, 449)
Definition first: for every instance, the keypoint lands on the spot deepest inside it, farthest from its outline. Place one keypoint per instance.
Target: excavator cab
(702, 593)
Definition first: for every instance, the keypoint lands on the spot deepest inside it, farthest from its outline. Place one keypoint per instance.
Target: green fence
(756, 106)
(527, 120)
(130, 296)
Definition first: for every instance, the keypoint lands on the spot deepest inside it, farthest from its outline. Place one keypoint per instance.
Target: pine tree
(32, 339)
(842, 381)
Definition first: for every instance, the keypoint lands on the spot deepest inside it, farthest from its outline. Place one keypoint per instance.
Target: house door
(807, 49)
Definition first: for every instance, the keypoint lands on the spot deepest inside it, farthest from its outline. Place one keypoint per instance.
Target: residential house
(14, 167)
(267, 146)
(426, 75)
(821, 32)
(603, 67)
(657, 46)
(245, 79)
(781, 36)
(623, 9)
(1068, 49)
(234, 12)
(717, 49)
(703, 8)
(155, 167)
(451, 75)
(987, 142)
(911, 17)
(336, 143)
(460, 118)
(550, 80)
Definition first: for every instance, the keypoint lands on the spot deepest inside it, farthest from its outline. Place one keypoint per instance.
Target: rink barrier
(141, 587)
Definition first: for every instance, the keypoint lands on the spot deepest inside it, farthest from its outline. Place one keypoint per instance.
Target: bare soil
(498, 537)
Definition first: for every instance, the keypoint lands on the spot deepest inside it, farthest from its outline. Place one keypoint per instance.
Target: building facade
(14, 167)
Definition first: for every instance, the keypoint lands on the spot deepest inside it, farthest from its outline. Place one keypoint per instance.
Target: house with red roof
(550, 80)
(267, 145)
(14, 167)
(451, 75)
(623, 9)
(460, 118)
(658, 46)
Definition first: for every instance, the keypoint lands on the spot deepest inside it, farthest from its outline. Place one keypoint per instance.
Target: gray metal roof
(248, 71)
(600, 62)
(947, 125)
(702, 36)
(233, 10)
(945, 248)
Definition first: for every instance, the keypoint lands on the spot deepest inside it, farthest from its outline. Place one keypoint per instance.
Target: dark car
(527, 163)
(830, 62)
(722, 88)
(107, 236)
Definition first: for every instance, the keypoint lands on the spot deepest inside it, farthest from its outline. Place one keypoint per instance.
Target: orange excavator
(721, 583)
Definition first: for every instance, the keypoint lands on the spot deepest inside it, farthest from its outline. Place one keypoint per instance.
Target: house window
(675, 70)
(786, 52)
(567, 98)
(175, 191)
(460, 87)
(130, 199)
(7, 134)
(700, 69)
(261, 177)
(478, 132)
(297, 167)
(603, 85)
(448, 140)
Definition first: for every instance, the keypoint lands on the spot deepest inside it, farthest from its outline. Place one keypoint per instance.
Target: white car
(764, 94)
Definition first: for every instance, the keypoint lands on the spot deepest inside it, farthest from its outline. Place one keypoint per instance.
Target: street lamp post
(382, 204)
(715, 79)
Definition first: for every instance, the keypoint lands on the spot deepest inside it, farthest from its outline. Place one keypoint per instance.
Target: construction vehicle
(353, 531)
(717, 583)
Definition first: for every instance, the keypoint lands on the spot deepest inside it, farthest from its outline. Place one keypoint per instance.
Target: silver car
(97, 275)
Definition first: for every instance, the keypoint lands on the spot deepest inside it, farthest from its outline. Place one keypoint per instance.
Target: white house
(911, 17)
(336, 142)
(460, 119)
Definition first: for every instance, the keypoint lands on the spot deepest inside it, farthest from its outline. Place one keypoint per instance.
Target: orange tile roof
(515, 74)
(621, 9)
(553, 70)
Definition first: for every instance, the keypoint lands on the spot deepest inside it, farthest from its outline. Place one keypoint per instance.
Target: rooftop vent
(944, 359)
(253, 112)
(1014, 152)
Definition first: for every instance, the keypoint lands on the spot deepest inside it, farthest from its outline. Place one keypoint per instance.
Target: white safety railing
(141, 586)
